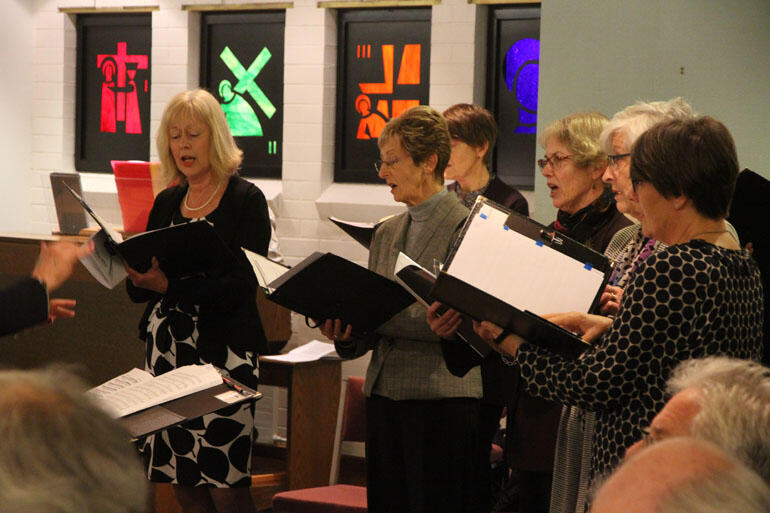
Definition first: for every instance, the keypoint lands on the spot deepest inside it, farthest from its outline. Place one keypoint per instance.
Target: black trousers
(421, 455)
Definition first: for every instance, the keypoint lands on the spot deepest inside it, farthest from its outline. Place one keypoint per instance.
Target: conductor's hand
(332, 329)
(59, 308)
(588, 326)
(443, 324)
(57, 261)
(154, 279)
(609, 302)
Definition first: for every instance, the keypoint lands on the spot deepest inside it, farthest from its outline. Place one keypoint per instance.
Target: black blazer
(23, 304)
(227, 299)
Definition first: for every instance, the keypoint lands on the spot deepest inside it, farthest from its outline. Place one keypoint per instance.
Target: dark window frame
(251, 17)
(84, 162)
(524, 180)
(367, 174)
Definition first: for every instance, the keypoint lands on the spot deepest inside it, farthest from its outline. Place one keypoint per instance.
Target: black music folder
(509, 269)
(360, 232)
(419, 282)
(326, 286)
(182, 249)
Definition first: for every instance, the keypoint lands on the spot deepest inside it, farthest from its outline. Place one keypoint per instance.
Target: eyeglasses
(379, 163)
(614, 159)
(554, 160)
(635, 183)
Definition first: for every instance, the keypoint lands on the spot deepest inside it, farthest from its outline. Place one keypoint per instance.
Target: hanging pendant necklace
(187, 205)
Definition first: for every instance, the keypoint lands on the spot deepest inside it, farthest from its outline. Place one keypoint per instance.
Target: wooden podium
(313, 401)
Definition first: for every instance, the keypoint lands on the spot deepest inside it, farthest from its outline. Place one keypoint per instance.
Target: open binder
(182, 250)
(509, 269)
(159, 402)
(326, 286)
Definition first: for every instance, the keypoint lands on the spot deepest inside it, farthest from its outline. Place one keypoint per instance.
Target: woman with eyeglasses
(421, 421)
(573, 166)
(628, 248)
(699, 296)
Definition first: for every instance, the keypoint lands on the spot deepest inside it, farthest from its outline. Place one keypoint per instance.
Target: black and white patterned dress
(687, 301)
(213, 450)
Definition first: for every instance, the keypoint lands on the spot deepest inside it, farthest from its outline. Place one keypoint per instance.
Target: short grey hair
(635, 119)
(722, 370)
(734, 399)
(59, 452)
(732, 490)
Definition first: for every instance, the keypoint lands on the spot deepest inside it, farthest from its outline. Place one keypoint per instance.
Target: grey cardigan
(406, 361)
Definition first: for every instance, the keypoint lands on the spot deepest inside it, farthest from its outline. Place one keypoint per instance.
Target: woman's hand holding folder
(154, 279)
(589, 327)
(443, 321)
(332, 329)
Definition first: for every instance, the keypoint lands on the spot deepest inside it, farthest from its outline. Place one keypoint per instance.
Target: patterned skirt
(213, 450)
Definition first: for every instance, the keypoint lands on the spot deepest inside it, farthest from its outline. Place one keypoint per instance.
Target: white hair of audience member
(682, 475)
(635, 119)
(697, 372)
(60, 453)
(734, 400)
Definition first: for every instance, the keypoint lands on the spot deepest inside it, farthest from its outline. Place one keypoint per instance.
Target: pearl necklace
(186, 196)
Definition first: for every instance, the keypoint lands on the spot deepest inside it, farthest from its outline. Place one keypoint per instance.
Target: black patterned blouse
(688, 301)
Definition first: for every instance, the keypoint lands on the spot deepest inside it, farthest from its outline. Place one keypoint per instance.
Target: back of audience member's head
(725, 401)
(59, 453)
(721, 370)
(682, 475)
(734, 400)
(635, 119)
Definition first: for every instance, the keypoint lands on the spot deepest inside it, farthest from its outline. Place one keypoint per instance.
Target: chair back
(354, 414)
(351, 421)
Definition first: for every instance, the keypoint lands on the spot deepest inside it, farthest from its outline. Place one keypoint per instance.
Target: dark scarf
(588, 220)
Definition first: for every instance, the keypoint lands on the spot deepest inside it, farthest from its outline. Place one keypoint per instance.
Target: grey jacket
(406, 361)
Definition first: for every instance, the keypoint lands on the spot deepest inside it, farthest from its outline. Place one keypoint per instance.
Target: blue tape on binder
(588, 266)
(540, 243)
(483, 216)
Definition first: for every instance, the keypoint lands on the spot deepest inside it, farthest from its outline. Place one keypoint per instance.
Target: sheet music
(106, 267)
(133, 391)
(517, 270)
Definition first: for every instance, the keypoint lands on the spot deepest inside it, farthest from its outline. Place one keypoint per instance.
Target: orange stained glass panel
(409, 71)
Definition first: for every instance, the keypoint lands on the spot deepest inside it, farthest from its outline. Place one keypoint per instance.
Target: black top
(688, 301)
(23, 304)
(227, 298)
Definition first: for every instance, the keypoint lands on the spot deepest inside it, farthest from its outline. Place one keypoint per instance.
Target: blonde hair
(580, 133)
(224, 154)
